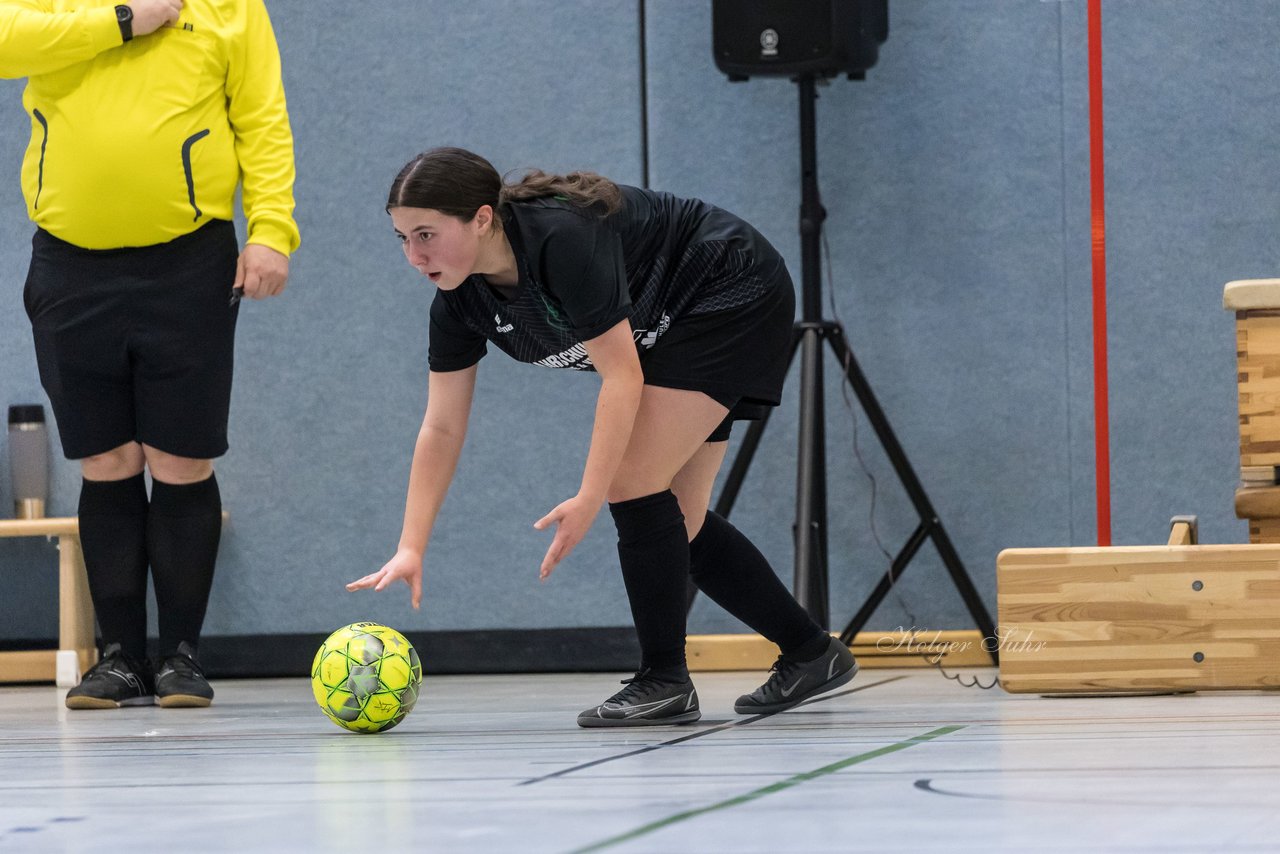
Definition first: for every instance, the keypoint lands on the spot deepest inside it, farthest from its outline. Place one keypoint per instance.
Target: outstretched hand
(573, 519)
(406, 566)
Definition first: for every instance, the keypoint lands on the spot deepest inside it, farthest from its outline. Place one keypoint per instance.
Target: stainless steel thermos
(29, 460)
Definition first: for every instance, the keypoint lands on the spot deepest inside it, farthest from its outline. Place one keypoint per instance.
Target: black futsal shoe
(646, 701)
(117, 680)
(180, 682)
(792, 682)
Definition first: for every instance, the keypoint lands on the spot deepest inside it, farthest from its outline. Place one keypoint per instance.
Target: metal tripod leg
(810, 529)
(930, 525)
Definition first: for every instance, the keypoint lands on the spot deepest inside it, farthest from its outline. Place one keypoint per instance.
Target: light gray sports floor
(896, 761)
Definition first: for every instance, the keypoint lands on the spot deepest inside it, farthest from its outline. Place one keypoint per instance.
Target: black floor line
(719, 728)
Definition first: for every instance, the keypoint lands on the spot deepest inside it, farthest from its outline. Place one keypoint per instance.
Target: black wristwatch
(124, 17)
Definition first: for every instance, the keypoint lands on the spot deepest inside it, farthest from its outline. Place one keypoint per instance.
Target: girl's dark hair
(585, 189)
(458, 183)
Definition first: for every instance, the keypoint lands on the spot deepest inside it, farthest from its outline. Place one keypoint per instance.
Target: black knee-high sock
(183, 530)
(113, 537)
(730, 569)
(654, 552)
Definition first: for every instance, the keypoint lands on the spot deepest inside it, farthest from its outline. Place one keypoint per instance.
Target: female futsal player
(685, 312)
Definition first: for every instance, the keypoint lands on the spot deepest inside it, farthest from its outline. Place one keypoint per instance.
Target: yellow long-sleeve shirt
(137, 143)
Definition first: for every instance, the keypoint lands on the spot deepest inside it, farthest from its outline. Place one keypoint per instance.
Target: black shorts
(737, 356)
(137, 344)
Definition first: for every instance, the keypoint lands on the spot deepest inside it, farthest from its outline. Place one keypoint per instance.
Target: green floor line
(767, 790)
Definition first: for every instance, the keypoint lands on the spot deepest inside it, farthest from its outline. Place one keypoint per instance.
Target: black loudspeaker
(822, 38)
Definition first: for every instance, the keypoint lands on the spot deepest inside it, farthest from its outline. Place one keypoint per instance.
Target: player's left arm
(614, 355)
(264, 148)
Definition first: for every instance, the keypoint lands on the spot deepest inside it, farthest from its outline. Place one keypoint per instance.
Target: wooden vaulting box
(1178, 617)
(1132, 619)
(1256, 303)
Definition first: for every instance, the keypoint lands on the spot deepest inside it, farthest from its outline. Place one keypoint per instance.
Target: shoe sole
(103, 703)
(685, 718)
(183, 701)
(830, 685)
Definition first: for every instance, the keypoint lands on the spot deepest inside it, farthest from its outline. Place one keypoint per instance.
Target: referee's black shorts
(137, 344)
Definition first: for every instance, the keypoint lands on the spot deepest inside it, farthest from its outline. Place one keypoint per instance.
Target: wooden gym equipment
(1173, 618)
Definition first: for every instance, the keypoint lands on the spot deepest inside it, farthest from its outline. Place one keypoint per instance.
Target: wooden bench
(76, 650)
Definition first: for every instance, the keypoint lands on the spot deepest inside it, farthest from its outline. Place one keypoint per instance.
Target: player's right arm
(35, 39)
(435, 456)
(435, 459)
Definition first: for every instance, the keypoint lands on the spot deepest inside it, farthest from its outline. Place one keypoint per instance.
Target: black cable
(934, 660)
(857, 449)
(974, 682)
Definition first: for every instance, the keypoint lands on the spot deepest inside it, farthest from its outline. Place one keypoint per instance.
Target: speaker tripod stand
(808, 337)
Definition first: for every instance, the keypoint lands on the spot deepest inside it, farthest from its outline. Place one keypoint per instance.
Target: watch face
(124, 13)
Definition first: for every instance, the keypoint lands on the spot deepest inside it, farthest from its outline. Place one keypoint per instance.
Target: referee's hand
(261, 272)
(151, 15)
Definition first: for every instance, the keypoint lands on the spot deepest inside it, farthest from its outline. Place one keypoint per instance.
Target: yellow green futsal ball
(366, 677)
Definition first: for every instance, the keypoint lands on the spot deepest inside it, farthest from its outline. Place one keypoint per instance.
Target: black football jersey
(658, 259)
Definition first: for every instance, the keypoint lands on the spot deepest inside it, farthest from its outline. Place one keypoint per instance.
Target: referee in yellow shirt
(144, 118)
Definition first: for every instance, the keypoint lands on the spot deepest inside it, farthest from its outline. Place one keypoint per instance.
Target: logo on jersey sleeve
(646, 338)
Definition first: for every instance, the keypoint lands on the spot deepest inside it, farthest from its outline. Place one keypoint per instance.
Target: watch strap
(124, 17)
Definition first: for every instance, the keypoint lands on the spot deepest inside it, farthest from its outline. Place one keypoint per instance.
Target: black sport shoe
(117, 680)
(793, 682)
(646, 701)
(180, 682)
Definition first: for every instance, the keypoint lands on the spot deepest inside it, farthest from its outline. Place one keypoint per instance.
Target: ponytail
(585, 189)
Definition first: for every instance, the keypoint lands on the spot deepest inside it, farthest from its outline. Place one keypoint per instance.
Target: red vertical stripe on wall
(1098, 229)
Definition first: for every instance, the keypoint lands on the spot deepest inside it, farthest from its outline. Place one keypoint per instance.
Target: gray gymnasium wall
(956, 180)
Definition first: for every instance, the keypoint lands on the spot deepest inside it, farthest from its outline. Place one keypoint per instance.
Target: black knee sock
(113, 537)
(183, 530)
(654, 552)
(730, 569)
